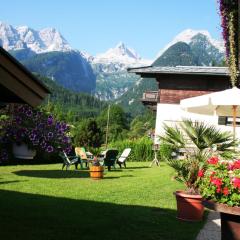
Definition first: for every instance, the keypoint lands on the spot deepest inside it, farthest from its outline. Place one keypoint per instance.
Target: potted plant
(219, 184)
(96, 170)
(198, 140)
(31, 130)
(189, 201)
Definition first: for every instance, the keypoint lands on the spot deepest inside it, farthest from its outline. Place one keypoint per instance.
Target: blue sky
(96, 25)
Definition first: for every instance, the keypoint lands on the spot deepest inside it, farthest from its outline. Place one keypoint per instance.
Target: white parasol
(223, 103)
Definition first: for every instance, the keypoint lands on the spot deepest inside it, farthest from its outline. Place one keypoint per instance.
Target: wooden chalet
(177, 83)
(17, 84)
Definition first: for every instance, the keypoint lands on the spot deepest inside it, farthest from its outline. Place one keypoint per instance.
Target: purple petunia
(32, 136)
(50, 135)
(36, 129)
(65, 139)
(50, 120)
(43, 144)
(49, 149)
(29, 113)
(18, 120)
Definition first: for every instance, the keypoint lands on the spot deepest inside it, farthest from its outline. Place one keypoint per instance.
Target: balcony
(150, 99)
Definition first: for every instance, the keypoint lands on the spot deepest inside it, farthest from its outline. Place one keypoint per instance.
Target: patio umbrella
(223, 103)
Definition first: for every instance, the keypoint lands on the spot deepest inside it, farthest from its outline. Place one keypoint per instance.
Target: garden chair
(110, 158)
(69, 160)
(84, 157)
(122, 159)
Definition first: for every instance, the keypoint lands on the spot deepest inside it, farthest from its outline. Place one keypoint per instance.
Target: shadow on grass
(135, 167)
(14, 181)
(29, 216)
(53, 173)
(62, 174)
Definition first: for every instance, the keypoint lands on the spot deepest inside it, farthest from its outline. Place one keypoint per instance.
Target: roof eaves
(23, 68)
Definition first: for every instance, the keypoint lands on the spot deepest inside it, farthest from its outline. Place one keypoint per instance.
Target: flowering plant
(229, 15)
(188, 170)
(220, 181)
(38, 130)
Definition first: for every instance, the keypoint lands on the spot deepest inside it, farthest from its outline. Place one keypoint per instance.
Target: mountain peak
(45, 40)
(187, 36)
(121, 53)
(120, 45)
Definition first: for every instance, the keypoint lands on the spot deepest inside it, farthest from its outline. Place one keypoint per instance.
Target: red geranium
(213, 160)
(236, 164)
(221, 181)
(236, 182)
(225, 191)
(201, 173)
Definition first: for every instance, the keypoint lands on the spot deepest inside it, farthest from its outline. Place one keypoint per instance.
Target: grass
(43, 202)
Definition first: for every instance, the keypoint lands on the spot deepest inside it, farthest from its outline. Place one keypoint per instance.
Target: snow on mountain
(9, 37)
(187, 35)
(53, 40)
(87, 56)
(45, 40)
(120, 54)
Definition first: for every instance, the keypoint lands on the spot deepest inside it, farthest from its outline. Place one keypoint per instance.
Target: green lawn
(43, 202)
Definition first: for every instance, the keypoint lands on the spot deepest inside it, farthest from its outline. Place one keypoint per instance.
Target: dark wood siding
(193, 82)
(174, 96)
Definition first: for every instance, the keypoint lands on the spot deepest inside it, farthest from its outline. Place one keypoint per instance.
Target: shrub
(141, 148)
(165, 151)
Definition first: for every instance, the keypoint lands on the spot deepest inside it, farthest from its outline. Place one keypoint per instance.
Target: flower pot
(189, 206)
(23, 152)
(96, 172)
(230, 219)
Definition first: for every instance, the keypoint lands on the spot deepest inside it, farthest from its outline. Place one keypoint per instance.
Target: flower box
(230, 219)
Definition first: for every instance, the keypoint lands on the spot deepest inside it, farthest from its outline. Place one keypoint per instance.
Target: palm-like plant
(203, 137)
(200, 135)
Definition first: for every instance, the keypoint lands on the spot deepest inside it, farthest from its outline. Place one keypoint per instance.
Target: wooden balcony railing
(150, 98)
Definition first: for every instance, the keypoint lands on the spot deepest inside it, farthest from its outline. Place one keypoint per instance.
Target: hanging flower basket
(23, 152)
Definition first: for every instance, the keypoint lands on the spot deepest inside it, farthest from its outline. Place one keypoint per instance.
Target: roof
(183, 70)
(17, 84)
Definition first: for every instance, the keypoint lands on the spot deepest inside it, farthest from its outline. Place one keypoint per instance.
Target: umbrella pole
(234, 120)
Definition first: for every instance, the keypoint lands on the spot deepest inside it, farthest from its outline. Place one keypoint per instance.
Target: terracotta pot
(230, 219)
(23, 152)
(189, 207)
(96, 172)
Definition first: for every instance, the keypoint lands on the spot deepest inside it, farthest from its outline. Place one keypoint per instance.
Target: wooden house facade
(177, 83)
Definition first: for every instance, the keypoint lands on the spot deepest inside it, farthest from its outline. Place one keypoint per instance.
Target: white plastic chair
(122, 159)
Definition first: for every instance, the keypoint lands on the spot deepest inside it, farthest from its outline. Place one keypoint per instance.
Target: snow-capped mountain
(45, 40)
(47, 52)
(187, 37)
(120, 54)
(110, 67)
(192, 48)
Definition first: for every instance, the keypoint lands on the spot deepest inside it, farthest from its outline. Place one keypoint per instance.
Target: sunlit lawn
(44, 202)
